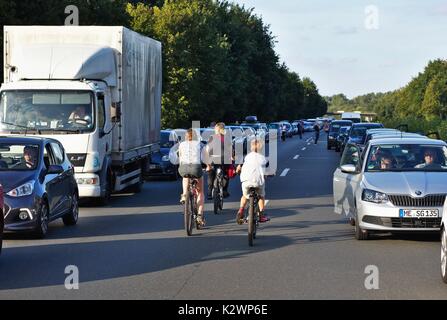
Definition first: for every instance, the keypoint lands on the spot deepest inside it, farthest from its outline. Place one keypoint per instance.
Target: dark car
(341, 138)
(357, 133)
(333, 132)
(161, 164)
(38, 183)
(2, 218)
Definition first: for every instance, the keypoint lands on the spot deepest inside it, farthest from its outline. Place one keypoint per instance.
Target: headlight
(165, 158)
(331, 137)
(374, 196)
(24, 190)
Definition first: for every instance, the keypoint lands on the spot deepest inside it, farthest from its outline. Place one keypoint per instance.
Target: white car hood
(407, 182)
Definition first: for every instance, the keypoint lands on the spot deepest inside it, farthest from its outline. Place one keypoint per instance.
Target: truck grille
(433, 200)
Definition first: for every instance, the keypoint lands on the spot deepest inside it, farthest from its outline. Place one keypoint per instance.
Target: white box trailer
(110, 75)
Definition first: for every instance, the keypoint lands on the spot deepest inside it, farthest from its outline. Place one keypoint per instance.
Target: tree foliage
(219, 60)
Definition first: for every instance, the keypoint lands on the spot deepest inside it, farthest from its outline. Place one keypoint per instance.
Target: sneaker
(240, 217)
(263, 218)
(182, 199)
(200, 221)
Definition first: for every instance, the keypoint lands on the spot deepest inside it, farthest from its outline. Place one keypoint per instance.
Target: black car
(357, 133)
(342, 136)
(334, 128)
(38, 183)
(2, 218)
(161, 164)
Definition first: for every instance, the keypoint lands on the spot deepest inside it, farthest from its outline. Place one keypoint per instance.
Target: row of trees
(422, 103)
(218, 57)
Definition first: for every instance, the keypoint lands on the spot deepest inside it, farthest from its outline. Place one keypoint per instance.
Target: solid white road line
(284, 173)
(296, 157)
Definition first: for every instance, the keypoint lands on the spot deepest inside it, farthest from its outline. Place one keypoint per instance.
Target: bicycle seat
(189, 176)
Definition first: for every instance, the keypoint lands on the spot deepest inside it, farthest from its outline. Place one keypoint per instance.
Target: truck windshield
(49, 111)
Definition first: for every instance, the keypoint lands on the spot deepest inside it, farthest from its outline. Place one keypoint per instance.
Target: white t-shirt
(189, 152)
(253, 169)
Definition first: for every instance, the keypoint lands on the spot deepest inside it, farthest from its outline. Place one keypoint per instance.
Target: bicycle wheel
(216, 199)
(251, 222)
(187, 213)
(221, 197)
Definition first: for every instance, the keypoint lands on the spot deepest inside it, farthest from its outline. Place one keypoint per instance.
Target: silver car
(396, 184)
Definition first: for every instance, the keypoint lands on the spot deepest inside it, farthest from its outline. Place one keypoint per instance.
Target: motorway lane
(136, 248)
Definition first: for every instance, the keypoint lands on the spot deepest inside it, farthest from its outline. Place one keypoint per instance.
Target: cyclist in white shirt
(252, 175)
(190, 164)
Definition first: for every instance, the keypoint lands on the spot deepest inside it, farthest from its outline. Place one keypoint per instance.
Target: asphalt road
(136, 248)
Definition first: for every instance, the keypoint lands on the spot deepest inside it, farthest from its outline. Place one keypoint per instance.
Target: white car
(396, 184)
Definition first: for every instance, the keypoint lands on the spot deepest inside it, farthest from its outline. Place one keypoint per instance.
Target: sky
(356, 46)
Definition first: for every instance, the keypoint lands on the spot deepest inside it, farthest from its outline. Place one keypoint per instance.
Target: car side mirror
(55, 169)
(348, 168)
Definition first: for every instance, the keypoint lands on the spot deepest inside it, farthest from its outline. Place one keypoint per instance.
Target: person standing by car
(190, 164)
(317, 132)
(300, 129)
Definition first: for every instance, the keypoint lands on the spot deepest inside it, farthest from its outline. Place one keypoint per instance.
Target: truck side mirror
(115, 112)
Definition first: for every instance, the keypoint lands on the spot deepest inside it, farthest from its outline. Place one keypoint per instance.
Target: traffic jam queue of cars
(390, 181)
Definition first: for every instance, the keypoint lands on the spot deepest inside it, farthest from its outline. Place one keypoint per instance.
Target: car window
(351, 155)
(58, 153)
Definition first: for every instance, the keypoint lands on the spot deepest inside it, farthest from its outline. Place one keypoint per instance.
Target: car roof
(408, 140)
(25, 139)
(341, 121)
(366, 124)
(397, 134)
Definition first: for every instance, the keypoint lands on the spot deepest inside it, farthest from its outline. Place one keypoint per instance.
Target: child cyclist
(252, 175)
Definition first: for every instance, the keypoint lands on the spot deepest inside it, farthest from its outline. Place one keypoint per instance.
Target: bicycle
(253, 215)
(218, 195)
(190, 210)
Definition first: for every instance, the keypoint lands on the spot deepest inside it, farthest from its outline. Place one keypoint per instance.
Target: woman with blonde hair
(190, 165)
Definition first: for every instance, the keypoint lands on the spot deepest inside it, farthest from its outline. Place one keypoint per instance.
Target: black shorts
(193, 170)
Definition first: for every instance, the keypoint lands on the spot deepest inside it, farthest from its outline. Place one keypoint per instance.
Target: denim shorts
(194, 170)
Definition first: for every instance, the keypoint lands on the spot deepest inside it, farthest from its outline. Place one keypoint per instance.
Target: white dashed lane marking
(304, 148)
(296, 157)
(284, 173)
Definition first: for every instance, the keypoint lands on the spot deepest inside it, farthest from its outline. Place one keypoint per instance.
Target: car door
(344, 184)
(51, 182)
(64, 179)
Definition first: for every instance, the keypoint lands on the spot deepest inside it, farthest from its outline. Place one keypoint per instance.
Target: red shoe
(263, 218)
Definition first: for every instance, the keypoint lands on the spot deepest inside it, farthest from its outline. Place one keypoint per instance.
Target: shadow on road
(28, 267)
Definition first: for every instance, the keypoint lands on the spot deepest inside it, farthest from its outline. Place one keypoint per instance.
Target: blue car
(38, 183)
(161, 164)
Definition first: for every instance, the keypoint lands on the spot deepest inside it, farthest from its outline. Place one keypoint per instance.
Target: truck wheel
(105, 199)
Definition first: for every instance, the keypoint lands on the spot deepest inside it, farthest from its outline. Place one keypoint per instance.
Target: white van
(355, 117)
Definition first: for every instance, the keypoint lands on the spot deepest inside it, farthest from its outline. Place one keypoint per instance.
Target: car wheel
(360, 234)
(43, 219)
(444, 255)
(71, 218)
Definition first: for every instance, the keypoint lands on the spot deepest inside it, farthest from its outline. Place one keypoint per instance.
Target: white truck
(95, 89)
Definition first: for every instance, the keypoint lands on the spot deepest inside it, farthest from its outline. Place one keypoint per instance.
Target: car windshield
(18, 157)
(274, 125)
(50, 111)
(407, 157)
(343, 130)
(165, 141)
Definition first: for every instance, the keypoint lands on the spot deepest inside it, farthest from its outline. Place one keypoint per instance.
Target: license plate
(153, 166)
(419, 213)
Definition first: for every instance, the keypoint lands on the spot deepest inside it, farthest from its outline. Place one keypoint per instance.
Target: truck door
(104, 124)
